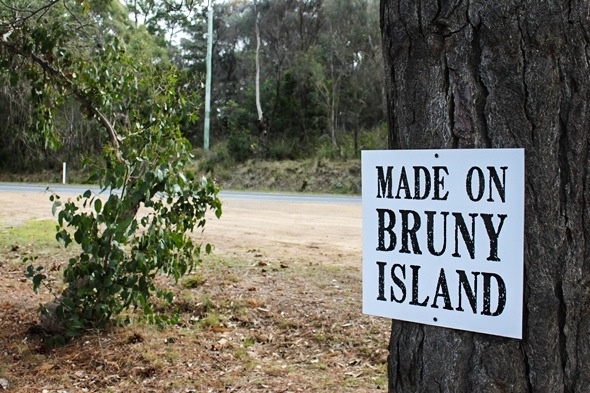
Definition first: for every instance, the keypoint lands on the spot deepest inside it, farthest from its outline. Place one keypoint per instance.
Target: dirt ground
(320, 233)
(279, 311)
(314, 232)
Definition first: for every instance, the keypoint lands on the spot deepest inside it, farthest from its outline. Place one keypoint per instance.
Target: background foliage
(321, 76)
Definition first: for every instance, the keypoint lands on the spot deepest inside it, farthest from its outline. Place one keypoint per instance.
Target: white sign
(443, 238)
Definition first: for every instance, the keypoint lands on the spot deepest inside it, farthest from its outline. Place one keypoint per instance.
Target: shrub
(239, 145)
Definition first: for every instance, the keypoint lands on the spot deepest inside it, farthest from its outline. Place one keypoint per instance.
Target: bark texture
(502, 73)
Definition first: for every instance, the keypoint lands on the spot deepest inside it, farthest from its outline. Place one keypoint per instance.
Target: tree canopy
(321, 73)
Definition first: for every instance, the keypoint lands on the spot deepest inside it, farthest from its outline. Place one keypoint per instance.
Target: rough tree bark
(502, 73)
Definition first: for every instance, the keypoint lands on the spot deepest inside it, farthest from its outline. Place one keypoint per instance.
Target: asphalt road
(225, 195)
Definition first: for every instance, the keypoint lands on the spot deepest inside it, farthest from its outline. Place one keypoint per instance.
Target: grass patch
(194, 281)
(31, 243)
(34, 234)
(248, 341)
(210, 321)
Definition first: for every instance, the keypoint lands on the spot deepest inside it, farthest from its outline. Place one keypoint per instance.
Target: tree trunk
(494, 74)
(261, 124)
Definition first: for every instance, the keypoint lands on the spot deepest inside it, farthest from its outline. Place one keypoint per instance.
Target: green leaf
(37, 279)
(79, 236)
(55, 206)
(98, 205)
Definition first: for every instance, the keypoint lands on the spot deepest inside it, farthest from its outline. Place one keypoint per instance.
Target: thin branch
(64, 81)
(31, 13)
(80, 24)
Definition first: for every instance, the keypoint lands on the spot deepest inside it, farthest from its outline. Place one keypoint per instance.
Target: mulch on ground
(249, 325)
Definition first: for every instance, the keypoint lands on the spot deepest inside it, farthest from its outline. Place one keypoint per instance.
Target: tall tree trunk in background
(502, 73)
(333, 109)
(261, 120)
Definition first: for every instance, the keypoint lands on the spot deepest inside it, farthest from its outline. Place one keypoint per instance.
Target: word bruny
(443, 233)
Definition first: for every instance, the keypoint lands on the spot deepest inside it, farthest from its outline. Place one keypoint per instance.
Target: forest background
(321, 89)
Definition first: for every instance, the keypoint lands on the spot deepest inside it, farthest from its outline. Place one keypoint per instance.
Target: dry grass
(316, 176)
(246, 325)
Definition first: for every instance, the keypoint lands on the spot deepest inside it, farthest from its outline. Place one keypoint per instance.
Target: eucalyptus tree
(363, 103)
(69, 49)
(321, 58)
